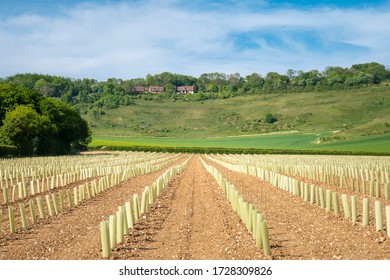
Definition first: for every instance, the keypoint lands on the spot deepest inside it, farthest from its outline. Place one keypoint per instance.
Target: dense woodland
(40, 114)
(32, 124)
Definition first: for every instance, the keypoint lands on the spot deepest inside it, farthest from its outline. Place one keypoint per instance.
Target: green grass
(296, 141)
(290, 141)
(376, 144)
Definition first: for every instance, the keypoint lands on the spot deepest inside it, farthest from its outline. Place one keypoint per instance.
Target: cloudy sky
(130, 39)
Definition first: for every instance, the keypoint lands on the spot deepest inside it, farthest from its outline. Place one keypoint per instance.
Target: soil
(192, 220)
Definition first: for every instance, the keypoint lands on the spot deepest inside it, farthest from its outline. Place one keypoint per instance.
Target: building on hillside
(156, 89)
(185, 89)
(140, 89)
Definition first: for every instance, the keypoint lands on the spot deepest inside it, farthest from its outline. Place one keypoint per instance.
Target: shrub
(269, 118)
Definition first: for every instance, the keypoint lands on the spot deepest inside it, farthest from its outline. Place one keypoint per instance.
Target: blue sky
(130, 39)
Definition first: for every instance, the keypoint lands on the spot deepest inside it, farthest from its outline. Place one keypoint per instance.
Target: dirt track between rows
(192, 220)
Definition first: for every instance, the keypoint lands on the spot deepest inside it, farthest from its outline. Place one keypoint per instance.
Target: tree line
(116, 92)
(35, 124)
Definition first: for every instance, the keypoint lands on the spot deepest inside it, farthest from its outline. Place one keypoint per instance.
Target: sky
(103, 39)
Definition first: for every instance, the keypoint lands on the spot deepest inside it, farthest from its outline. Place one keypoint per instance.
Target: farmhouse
(139, 89)
(156, 89)
(159, 89)
(185, 89)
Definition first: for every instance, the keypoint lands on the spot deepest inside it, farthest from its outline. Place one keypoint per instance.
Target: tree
(44, 87)
(335, 76)
(25, 128)
(212, 87)
(72, 131)
(38, 124)
(276, 81)
(11, 96)
(377, 72)
(254, 82)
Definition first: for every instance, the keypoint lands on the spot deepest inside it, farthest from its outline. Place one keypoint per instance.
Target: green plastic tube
(129, 214)
(371, 188)
(119, 227)
(335, 201)
(55, 203)
(328, 200)
(69, 197)
(312, 193)
(317, 195)
(259, 220)
(254, 221)
(49, 208)
(23, 215)
(20, 190)
(13, 193)
(321, 197)
(32, 211)
(112, 230)
(306, 192)
(88, 191)
(144, 201)
(377, 190)
(5, 195)
(136, 207)
(124, 220)
(75, 196)
(11, 217)
(378, 216)
(249, 219)
(265, 239)
(354, 208)
(62, 205)
(105, 239)
(387, 191)
(40, 208)
(344, 201)
(366, 211)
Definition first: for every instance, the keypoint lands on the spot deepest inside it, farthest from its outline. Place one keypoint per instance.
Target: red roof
(156, 89)
(139, 89)
(185, 89)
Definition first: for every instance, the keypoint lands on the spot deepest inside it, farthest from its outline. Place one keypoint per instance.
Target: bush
(269, 118)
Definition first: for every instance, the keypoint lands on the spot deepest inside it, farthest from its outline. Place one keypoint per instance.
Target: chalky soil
(192, 220)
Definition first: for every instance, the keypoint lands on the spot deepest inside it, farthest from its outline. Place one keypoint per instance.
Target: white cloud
(132, 40)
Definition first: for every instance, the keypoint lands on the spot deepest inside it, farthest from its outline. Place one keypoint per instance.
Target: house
(156, 89)
(185, 89)
(139, 89)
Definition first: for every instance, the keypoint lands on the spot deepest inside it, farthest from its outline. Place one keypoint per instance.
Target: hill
(342, 115)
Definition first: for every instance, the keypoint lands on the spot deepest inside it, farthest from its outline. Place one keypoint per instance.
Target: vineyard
(139, 205)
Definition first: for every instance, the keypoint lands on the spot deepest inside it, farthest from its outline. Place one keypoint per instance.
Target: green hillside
(344, 115)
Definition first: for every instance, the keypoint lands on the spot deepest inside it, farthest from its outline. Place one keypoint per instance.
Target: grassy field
(296, 141)
(361, 120)
(291, 141)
